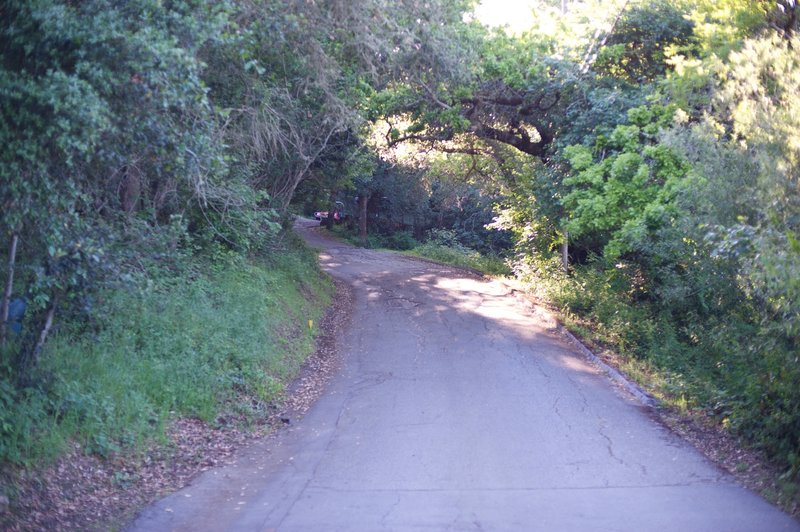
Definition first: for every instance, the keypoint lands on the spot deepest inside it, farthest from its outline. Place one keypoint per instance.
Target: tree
(521, 110)
(639, 45)
(93, 101)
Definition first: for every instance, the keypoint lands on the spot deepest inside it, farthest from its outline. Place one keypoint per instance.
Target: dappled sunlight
(487, 299)
(574, 362)
(471, 308)
(516, 15)
(506, 314)
(492, 301)
(465, 283)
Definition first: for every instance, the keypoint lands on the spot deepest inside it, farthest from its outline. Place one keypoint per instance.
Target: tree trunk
(12, 256)
(48, 324)
(130, 188)
(565, 251)
(328, 222)
(363, 200)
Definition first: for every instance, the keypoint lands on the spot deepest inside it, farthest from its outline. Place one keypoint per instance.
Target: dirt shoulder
(84, 492)
(748, 466)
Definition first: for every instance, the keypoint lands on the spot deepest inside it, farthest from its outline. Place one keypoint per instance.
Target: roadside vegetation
(461, 257)
(634, 162)
(205, 342)
(643, 183)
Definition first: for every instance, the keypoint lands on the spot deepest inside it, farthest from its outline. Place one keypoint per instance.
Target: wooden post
(565, 251)
(363, 200)
(12, 256)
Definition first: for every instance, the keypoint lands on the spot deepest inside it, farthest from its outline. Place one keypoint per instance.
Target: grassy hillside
(212, 337)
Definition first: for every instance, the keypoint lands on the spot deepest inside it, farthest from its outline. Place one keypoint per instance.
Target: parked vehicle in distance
(337, 214)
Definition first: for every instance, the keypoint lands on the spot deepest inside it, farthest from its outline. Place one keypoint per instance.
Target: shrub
(402, 240)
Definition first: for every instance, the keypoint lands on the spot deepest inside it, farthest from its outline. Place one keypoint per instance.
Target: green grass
(223, 337)
(461, 257)
(454, 255)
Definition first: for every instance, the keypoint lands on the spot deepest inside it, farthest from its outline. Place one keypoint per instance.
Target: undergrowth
(441, 246)
(222, 335)
(461, 257)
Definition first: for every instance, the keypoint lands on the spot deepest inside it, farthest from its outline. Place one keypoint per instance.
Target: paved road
(456, 409)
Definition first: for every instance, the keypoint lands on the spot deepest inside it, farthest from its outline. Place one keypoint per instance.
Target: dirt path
(457, 409)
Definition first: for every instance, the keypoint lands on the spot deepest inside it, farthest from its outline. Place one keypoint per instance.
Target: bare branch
(435, 98)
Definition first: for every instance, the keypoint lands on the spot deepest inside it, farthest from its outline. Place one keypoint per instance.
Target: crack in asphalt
(511, 410)
(584, 401)
(559, 414)
(331, 438)
(609, 443)
(389, 512)
(372, 380)
(526, 354)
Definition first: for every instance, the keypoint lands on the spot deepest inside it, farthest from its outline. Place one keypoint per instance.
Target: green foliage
(611, 201)
(104, 114)
(720, 26)
(465, 205)
(643, 38)
(462, 257)
(518, 61)
(227, 341)
(757, 232)
(681, 214)
(402, 240)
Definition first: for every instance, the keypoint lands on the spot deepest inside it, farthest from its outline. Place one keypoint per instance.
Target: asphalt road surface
(457, 409)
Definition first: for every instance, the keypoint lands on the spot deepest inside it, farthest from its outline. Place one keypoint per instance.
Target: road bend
(456, 408)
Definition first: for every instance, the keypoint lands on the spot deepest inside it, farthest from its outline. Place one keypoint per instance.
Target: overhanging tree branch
(495, 112)
(516, 137)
